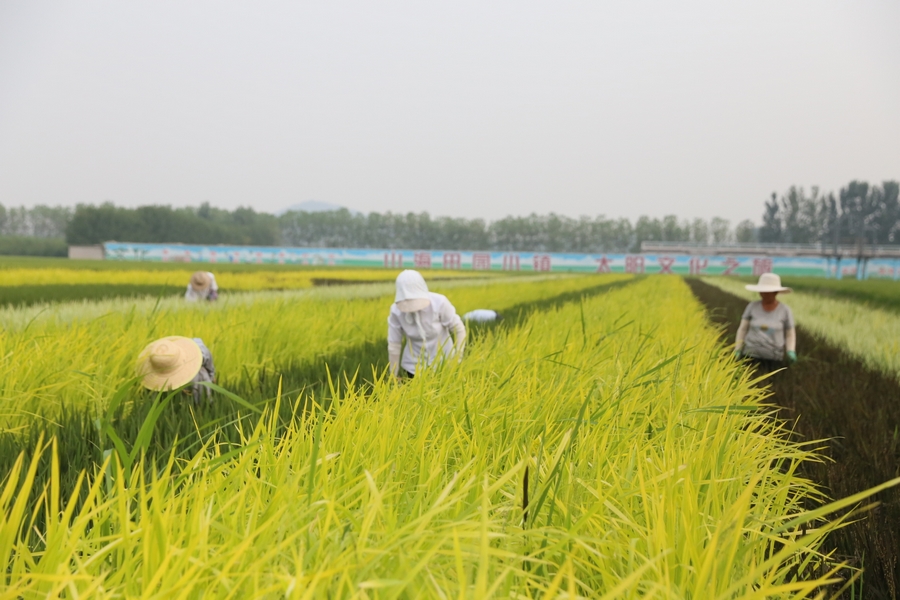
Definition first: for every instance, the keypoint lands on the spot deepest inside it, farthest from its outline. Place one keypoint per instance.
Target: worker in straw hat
(174, 362)
(766, 334)
(426, 319)
(202, 286)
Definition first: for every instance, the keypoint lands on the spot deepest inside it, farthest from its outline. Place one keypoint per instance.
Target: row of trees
(38, 222)
(546, 233)
(203, 225)
(858, 213)
(341, 228)
(333, 229)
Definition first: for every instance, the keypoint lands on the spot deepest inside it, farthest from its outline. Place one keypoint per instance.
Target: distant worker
(766, 334)
(174, 362)
(202, 286)
(426, 319)
(482, 315)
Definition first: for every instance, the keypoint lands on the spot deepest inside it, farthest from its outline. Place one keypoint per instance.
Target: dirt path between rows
(831, 395)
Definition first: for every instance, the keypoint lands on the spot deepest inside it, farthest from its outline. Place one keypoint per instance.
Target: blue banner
(680, 264)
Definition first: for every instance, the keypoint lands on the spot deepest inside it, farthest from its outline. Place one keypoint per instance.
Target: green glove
(791, 357)
(737, 353)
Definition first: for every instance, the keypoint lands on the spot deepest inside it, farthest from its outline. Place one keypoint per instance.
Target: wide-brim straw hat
(769, 282)
(412, 292)
(200, 280)
(169, 363)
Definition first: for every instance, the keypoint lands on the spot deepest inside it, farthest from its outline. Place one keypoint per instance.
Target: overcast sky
(476, 109)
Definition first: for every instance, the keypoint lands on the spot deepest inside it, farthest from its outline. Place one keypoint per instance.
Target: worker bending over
(174, 362)
(426, 319)
(202, 286)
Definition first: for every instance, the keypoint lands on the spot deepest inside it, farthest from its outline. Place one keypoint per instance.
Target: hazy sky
(458, 108)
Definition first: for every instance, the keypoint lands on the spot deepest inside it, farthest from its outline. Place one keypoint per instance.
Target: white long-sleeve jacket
(427, 333)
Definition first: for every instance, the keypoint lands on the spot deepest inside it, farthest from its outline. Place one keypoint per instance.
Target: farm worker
(766, 334)
(202, 286)
(426, 319)
(482, 315)
(174, 362)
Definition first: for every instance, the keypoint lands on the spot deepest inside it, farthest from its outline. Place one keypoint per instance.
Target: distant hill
(312, 206)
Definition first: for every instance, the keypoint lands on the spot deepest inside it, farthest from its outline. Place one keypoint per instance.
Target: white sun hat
(412, 292)
(769, 282)
(169, 363)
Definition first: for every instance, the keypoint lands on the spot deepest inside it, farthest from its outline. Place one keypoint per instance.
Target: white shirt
(481, 315)
(434, 322)
(194, 295)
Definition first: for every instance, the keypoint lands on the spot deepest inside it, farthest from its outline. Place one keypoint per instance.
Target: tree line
(343, 229)
(164, 224)
(542, 233)
(37, 222)
(858, 213)
(37, 231)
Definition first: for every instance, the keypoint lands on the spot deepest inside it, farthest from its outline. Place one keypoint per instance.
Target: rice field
(227, 280)
(600, 442)
(50, 281)
(82, 353)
